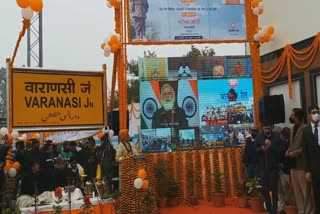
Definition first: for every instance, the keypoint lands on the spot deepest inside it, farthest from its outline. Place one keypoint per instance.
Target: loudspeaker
(272, 109)
(113, 121)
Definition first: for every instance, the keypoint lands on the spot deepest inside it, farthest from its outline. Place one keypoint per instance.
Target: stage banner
(183, 20)
(55, 99)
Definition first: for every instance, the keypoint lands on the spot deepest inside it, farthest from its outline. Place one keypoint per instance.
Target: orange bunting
(267, 37)
(119, 44)
(103, 45)
(8, 166)
(16, 165)
(142, 174)
(262, 39)
(145, 184)
(100, 135)
(112, 2)
(117, 5)
(36, 5)
(255, 3)
(23, 3)
(113, 39)
(270, 30)
(114, 48)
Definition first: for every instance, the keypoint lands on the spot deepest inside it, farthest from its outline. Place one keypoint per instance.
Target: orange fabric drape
(301, 59)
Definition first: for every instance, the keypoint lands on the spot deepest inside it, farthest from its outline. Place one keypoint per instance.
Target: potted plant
(192, 179)
(218, 195)
(289, 199)
(254, 191)
(173, 192)
(242, 194)
(162, 182)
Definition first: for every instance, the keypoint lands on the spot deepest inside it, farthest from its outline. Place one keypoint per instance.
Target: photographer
(269, 148)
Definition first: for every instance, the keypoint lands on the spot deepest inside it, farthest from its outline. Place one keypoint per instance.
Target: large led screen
(186, 109)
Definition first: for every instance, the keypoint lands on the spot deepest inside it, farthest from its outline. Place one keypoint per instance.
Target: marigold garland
(301, 59)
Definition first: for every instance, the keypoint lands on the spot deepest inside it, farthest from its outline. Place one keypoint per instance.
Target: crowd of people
(44, 167)
(277, 156)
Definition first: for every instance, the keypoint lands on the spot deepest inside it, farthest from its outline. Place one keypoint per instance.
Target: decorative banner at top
(183, 20)
(44, 99)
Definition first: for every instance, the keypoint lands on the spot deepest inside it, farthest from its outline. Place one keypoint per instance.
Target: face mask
(291, 119)
(267, 134)
(316, 117)
(253, 135)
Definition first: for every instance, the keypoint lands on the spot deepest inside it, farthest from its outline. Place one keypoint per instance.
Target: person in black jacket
(250, 156)
(62, 174)
(170, 114)
(107, 159)
(269, 148)
(30, 179)
(311, 152)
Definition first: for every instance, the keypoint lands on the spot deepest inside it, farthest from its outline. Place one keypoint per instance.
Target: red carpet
(206, 208)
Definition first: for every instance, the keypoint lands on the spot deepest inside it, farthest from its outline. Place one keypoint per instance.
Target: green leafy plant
(242, 190)
(217, 181)
(289, 195)
(254, 187)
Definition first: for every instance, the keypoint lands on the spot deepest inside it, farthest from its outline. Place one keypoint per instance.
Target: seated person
(238, 68)
(170, 114)
(75, 172)
(218, 69)
(62, 174)
(30, 179)
(90, 169)
(184, 70)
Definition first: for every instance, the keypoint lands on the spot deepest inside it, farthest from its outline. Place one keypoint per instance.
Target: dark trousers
(316, 192)
(252, 171)
(269, 183)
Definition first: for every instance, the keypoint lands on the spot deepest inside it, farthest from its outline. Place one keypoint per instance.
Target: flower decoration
(29, 7)
(58, 194)
(257, 7)
(86, 206)
(264, 34)
(111, 44)
(114, 3)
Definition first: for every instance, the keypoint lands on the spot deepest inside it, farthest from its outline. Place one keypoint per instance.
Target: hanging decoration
(257, 7)
(111, 44)
(29, 7)
(114, 3)
(11, 167)
(264, 34)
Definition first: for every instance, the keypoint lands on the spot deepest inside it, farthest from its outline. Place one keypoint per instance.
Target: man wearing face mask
(250, 157)
(311, 153)
(269, 149)
(301, 188)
